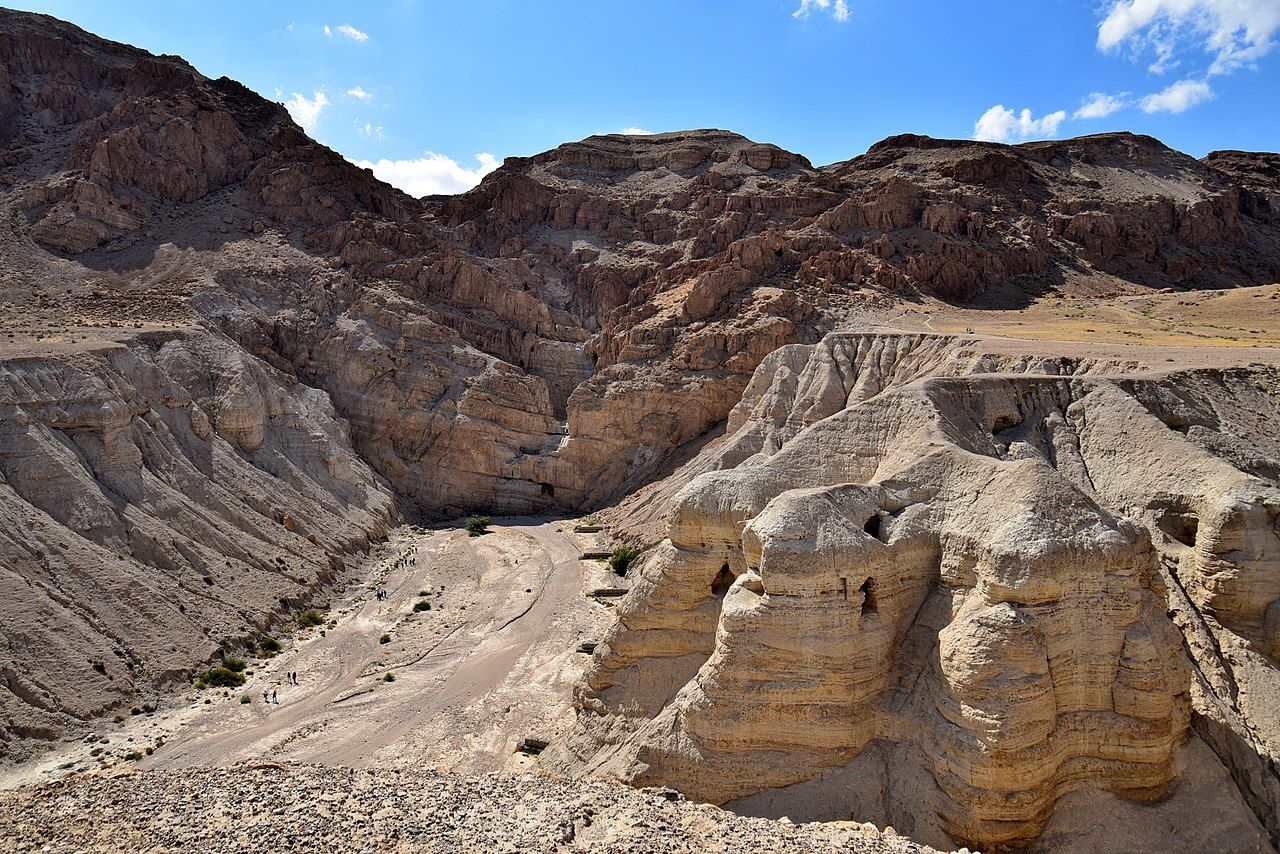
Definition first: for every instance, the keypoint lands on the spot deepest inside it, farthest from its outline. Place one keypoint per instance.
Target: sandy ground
(494, 660)
(1240, 317)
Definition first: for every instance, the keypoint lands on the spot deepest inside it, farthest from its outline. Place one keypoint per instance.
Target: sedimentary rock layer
(955, 565)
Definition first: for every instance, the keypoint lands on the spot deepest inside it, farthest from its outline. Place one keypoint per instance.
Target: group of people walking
(271, 697)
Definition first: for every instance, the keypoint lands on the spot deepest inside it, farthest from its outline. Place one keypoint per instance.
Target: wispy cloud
(352, 33)
(1100, 105)
(1235, 33)
(348, 31)
(1177, 97)
(838, 9)
(1000, 124)
(635, 132)
(431, 173)
(369, 129)
(357, 92)
(306, 111)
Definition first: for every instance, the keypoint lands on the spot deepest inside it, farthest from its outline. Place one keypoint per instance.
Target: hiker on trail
(264, 696)
(273, 698)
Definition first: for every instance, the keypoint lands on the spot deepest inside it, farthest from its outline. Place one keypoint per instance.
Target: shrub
(307, 619)
(424, 592)
(621, 559)
(245, 700)
(269, 646)
(390, 677)
(133, 756)
(235, 665)
(385, 639)
(477, 525)
(219, 677)
(421, 606)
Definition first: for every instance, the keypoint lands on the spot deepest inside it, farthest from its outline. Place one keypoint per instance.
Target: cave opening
(1183, 527)
(723, 581)
(874, 527)
(548, 490)
(868, 596)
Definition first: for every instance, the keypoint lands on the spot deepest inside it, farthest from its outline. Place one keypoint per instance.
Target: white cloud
(327, 31)
(1000, 124)
(358, 92)
(368, 129)
(306, 112)
(352, 33)
(1236, 33)
(839, 9)
(1177, 97)
(431, 173)
(290, 26)
(635, 132)
(1100, 105)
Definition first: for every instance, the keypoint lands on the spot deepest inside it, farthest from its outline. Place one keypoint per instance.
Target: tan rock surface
(942, 556)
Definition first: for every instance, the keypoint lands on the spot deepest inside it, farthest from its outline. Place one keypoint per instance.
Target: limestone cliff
(944, 587)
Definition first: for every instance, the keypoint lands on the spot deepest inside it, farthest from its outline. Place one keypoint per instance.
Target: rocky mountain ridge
(230, 359)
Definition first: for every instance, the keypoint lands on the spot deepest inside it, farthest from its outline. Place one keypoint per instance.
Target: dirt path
(492, 660)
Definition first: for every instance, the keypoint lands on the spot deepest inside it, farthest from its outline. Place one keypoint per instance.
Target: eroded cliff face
(161, 501)
(934, 584)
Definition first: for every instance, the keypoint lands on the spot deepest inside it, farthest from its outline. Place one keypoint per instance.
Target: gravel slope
(272, 807)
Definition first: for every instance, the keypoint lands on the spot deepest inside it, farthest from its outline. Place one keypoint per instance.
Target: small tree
(621, 558)
(477, 525)
(269, 646)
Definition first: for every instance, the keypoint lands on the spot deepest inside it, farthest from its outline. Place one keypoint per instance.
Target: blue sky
(435, 92)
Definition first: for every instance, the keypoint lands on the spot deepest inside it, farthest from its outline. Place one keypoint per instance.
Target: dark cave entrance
(723, 581)
(868, 596)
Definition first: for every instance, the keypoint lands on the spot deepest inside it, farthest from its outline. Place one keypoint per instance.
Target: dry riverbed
(455, 685)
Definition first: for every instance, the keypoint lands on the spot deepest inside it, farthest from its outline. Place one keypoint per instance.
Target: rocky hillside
(229, 359)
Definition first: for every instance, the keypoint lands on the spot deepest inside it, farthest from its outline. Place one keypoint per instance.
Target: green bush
(421, 606)
(269, 646)
(133, 756)
(235, 665)
(390, 677)
(219, 677)
(245, 700)
(477, 525)
(385, 639)
(307, 619)
(621, 559)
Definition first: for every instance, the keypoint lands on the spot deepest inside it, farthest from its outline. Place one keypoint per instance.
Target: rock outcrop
(931, 584)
